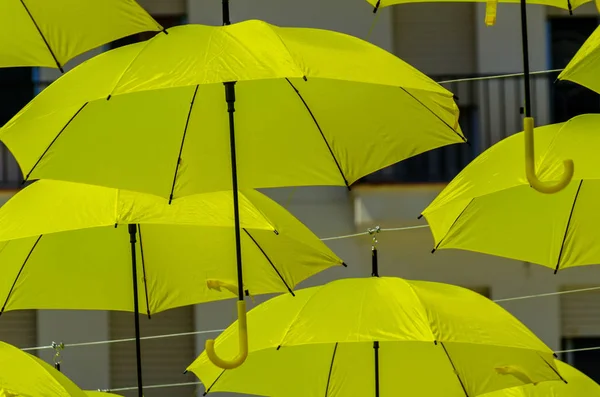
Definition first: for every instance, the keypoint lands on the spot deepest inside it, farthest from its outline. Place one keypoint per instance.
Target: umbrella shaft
(525, 47)
(376, 351)
(226, 20)
(374, 263)
(136, 308)
(230, 99)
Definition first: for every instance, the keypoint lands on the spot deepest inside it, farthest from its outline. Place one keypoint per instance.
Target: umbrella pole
(225, 5)
(525, 47)
(375, 273)
(230, 99)
(136, 308)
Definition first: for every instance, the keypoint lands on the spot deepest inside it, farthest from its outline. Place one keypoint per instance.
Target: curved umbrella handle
(243, 343)
(542, 187)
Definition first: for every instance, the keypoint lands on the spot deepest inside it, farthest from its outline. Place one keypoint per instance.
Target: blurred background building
(449, 42)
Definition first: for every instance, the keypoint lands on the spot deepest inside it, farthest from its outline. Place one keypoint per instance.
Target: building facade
(446, 41)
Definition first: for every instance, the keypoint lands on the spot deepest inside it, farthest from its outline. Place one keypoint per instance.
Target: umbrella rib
(320, 131)
(144, 271)
(562, 245)
(453, 224)
(187, 123)
(434, 113)
(270, 262)
(212, 384)
(454, 368)
(54, 140)
(330, 368)
(19, 274)
(43, 37)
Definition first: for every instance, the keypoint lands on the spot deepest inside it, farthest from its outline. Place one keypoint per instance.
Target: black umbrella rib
(43, 37)
(19, 274)
(434, 113)
(320, 131)
(562, 245)
(54, 140)
(454, 368)
(270, 262)
(330, 369)
(216, 380)
(144, 271)
(187, 123)
(453, 224)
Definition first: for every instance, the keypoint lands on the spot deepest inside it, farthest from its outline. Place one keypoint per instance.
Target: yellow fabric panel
(69, 27)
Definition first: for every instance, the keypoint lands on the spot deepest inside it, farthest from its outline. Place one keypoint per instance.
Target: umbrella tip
(433, 251)
(185, 372)
(344, 264)
(420, 216)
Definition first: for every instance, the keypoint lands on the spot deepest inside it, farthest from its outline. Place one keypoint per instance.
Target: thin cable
(105, 342)
(160, 386)
(570, 291)
(583, 349)
(499, 76)
(394, 229)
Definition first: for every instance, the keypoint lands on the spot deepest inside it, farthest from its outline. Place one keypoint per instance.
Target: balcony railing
(490, 111)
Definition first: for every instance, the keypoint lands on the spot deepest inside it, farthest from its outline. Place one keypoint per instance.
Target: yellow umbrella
(382, 337)
(584, 66)
(249, 105)
(66, 245)
(49, 33)
(578, 385)
(528, 121)
(24, 375)
(490, 208)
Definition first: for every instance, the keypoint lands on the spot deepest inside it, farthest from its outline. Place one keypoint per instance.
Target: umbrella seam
(410, 287)
(320, 131)
(434, 113)
(54, 140)
(453, 224)
(19, 273)
(269, 260)
(43, 37)
(562, 245)
(185, 129)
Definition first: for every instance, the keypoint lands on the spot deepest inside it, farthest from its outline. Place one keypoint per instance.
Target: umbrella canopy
(312, 107)
(584, 66)
(24, 375)
(50, 33)
(65, 245)
(578, 385)
(490, 208)
(380, 336)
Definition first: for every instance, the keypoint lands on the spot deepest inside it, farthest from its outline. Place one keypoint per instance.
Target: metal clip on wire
(374, 266)
(58, 347)
(373, 232)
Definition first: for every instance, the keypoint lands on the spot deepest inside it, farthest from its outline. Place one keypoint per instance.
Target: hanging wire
(499, 76)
